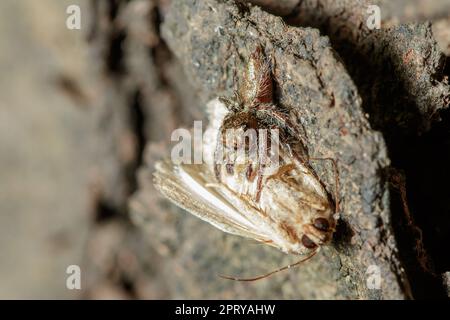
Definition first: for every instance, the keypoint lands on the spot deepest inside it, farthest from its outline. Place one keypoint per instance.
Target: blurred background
(72, 140)
(45, 148)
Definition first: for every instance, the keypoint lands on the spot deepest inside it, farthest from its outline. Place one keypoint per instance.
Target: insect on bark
(273, 197)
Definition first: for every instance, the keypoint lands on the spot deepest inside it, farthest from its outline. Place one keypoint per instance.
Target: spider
(252, 107)
(279, 203)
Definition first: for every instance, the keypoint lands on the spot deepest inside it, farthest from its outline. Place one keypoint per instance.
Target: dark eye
(321, 224)
(307, 242)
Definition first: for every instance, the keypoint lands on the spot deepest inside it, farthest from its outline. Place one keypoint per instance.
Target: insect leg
(272, 272)
(284, 169)
(282, 120)
(231, 121)
(336, 180)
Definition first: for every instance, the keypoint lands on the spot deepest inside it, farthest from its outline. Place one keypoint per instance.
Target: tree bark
(358, 94)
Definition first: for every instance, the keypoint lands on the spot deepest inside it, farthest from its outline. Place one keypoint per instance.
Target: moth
(276, 200)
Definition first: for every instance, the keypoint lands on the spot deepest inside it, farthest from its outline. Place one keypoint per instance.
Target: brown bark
(362, 97)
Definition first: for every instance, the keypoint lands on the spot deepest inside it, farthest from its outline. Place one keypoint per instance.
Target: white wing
(190, 188)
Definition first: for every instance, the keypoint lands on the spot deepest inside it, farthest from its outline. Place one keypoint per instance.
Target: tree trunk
(374, 100)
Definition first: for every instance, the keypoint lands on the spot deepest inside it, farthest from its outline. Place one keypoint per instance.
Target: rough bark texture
(362, 97)
(402, 76)
(398, 69)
